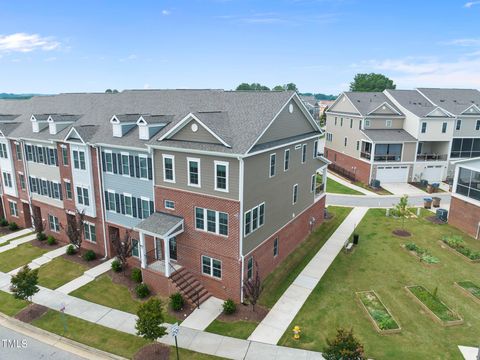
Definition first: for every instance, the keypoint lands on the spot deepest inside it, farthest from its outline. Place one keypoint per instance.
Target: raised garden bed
(437, 310)
(456, 244)
(422, 254)
(377, 312)
(470, 289)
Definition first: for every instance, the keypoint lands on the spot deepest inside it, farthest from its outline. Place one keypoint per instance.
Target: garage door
(433, 173)
(391, 174)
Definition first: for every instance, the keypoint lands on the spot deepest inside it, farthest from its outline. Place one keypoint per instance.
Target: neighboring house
(208, 183)
(323, 105)
(311, 103)
(401, 135)
(465, 204)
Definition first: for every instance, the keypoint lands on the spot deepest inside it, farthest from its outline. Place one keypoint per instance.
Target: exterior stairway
(190, 287)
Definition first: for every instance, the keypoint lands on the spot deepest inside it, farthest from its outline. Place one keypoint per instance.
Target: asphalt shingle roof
(366, 102)
(413, 101)
(388, 135)
(159, 223)
(455, 101)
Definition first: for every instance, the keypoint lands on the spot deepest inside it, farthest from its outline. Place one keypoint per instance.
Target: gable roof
(413, 101)
(455, 101)
(368, 102)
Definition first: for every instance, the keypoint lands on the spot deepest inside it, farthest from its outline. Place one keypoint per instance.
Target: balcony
(432, 157)
(387, 158)
(365, 155)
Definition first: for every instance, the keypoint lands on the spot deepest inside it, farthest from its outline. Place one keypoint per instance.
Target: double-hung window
(477, 125)
(111, 201)
(168, 168)
(315, 149)
(135, 248)
(254, 218)
(3, 151)
(211, 267)
(221, 176)
(29, 151)
(295, 194)
(273, 160)
(169, 204)
(250, 268)
(458, 125)
(125, 164)
(211, 221)
(143, 167)
(424, 127)
(22, 181)
(388, 123)
(304, 153)
(68, 190)
(193, 172)
(145, 208)
(7, 179)
(82, 196)
(312, 183)
(444, 128)
(89, 231)
(18, 151)
(128, 204)
(12, 205)
(286, 160)
(79, 160)
(65, 156)
(52, 156)
(109, 162)
(53, 223)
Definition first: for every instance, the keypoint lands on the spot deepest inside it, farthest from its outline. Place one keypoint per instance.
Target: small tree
(344, 347)
(75, 225)
(150, 320)
(252, 288)
(24, 284)
(402, 209)
(123, 248)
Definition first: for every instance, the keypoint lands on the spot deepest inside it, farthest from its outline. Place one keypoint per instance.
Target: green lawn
(15, 238)
(337, 188)
(237, 329)
(379, 263)
(9, 305)
(21, 255)
(282, 277)
(58, 272)
(104, 291)
(103, 338)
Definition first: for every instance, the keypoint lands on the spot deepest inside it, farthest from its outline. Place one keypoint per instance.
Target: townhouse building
(465, 203)
(401, 135)
(210, 184)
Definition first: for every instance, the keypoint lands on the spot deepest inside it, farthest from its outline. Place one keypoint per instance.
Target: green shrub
(13, 226)
(51, 240)
(41, 236)
(454, 241)
(3, 222)
(136, 275)
(411, 246)
(116, 266)
(70, 250)
(89, 255)
(176, 301)
(142, 291)
(430, 259)
(229, 306)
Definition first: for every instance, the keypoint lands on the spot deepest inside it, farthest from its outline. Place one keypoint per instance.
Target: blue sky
(63, 46)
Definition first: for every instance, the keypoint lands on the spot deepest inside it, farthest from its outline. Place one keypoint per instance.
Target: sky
(77, 46)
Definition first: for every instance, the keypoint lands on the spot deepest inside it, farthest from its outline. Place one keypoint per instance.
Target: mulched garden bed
(244, 312)
(5, 230)
(153, 351)
(44, 245)
(433, 219)
(31, 312)
(401, 233)
(79, 259)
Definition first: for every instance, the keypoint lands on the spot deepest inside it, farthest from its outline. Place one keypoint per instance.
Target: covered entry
(163, 228)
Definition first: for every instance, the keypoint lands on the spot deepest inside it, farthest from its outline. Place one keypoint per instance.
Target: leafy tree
(108, 91)
(402, 209)
(24, 284)
(344, 347)
(323, 118)
(252, 288)
(371, 82)
(75, 224)
(252, 86)
(291, 87)
(150, 320)
(123, 248)
(278, 88)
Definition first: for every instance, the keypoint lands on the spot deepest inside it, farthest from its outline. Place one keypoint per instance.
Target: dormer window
(39, 122)
(149, 125)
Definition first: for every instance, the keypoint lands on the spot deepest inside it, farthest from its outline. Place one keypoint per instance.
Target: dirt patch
(435, 220)
(78, 258)
(245, 312)
(5, 231)
(31, 312)
(153, 351)
(44, 245)
(401, 233)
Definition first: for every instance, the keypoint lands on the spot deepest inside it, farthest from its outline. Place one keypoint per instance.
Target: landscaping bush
(89, 255)
(3, 222)
(229, 307)
(116, 266)
(344, 346)
(13, 226)
(422, 253)
(51, 240)
(70, 250)
(456, 242)
(41, 236)
(142, 291)
(136, 275)
(176, 301)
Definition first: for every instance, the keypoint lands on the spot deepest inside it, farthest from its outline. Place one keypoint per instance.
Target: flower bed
(470, 289)
(457, 244)
(434, 306)
(378, 313)
(421, 253)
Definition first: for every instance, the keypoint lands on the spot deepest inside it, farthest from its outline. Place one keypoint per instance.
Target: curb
(55, 340)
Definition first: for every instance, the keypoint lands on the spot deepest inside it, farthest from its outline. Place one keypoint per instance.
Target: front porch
(319, 182)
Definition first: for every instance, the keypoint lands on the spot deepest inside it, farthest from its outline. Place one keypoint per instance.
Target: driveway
(402, 189)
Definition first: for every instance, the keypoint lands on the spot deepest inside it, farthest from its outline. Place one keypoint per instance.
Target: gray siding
(276, 192)
(207, 173)
(382, 123)
(201, 135)
(286, 125)
(468, 127)
(409, 151)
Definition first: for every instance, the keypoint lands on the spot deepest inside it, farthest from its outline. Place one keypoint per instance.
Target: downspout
(240, 220)
(100, 183)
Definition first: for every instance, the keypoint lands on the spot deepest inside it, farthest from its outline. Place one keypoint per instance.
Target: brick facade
(464, 216)
(362, 171)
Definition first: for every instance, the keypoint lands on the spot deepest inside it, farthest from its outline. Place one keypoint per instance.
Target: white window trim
(227, 171)
(304, 149)
(270, 165)
(285, 158)
(106, 167)
(294, 201)
(90, 230)
(146, 163)
(458, 122)
(217, 221)
(138, 248)
(109, 191)
(83, 187)
(211, 267)
(122, 154)
(58, 223)
(388, 123)
(367, 123)
(172, 157)
(313, 182)
(421, 127)
(197, 160)
(167, 207)
(315, 149)
(143, 198)
(125, 195)
(252, 230)
(15, 207)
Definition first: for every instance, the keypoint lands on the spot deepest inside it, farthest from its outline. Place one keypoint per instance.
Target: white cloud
(469, 4)
(129, 58)
(166, 12)
(463, 42)
(146, 86)
(24, 43)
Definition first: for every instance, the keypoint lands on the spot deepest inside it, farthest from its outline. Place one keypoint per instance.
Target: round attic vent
(194, 127)
(290, 108)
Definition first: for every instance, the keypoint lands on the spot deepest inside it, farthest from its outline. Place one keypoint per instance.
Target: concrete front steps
(189, 286)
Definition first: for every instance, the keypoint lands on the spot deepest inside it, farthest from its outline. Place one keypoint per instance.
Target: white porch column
(324, 178)
(143, 253)
(166, 246)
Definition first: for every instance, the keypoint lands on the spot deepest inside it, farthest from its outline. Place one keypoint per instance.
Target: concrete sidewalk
(44, 259)
(199, 319)
(469, 353)
(386, 201)
(15, 234)
(350, 185)
(88, 276)
(14, 243)
(277, 321)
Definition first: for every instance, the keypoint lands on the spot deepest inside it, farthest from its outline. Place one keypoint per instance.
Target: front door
(173, 248)
(28, 216)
